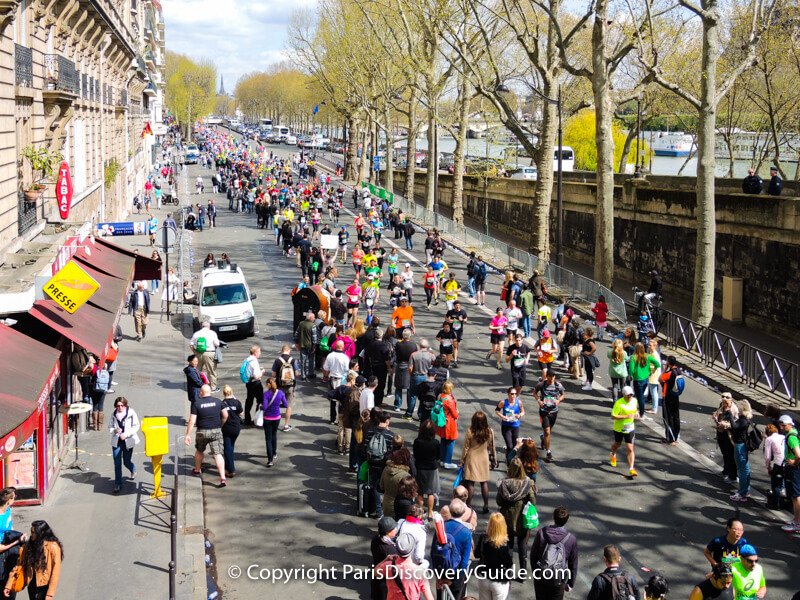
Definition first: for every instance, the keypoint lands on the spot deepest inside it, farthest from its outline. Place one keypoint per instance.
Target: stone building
(79, 78)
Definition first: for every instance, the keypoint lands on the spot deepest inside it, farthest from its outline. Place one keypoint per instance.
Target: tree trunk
(389, 183)
(458, 153)
(411, 146)
(604, 113)
(350, 172)
(703, 303)
(430, 182)
(633, 133)
(363, 166)
(542, 195)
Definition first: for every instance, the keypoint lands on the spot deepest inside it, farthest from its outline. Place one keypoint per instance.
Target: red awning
(144, 267)
(106, 260)
(112, 290)
(90, 327)
(27, 382)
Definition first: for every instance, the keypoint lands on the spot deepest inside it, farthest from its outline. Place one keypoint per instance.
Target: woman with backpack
(513, 493)
(398, 467)
(445, 417)
(670, 408)
(101, 382)
(274, 399)
(478, 457)
(739, 429)
(494, 560)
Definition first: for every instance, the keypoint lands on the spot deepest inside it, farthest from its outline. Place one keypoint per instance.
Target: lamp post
(638, 135)
(502, 88)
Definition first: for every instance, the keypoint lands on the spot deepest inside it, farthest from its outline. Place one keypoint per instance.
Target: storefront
(28, 405)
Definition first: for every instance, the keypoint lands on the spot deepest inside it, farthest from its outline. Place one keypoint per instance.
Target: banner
(123, 228)
(64, 191)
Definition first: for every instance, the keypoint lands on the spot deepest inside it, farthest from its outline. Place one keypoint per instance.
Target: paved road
(301, 512)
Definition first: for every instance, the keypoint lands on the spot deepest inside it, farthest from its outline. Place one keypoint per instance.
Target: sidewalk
(118, 546)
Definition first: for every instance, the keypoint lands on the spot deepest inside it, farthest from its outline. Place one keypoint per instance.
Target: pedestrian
(739, 429)
(480, 281)
(404, 350)
(590, 361)
(193, 379)
(100, 384)
(251, 373)
(717, 587)
(124, 436)
(398, 466)
(231, 428)
(445, 417)
(775, 186)
(670, 409)
(11, 541)
(617, 368)
(518, 355)
(427, 451)
(653, 380)
(405, 580)
(407, 497)
(510, 412)
(378, 443)
(600, 310)
(273, 400)
(656, 588)
(152, 227)
(773, 458)
(139, 307)
(752, 184)
(378, 357)
(791, 470)
(285, 370)
(624, 414)
(513, 494)
(456, 527)
(39, 563)
(724, 417)
(494, 560)
(335, 370)
(210, 415)
(205, 342)
(154, 282)
(497, 328)
(549, 393)
(748, 575)
(554, 548)
(408, 234)
(421, 362)
(640, 365)
(726, 549)
(478, 457)
(613, 582)
(382, 546)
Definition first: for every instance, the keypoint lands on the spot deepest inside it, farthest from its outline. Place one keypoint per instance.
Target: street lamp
(639, 164)
(502, 88)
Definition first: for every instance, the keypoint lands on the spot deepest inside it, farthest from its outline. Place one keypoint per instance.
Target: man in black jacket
(377, 461)
(752, 184)
(775, 182)
(382, 545)
(547, 538)
(139, 307)
(612, 578)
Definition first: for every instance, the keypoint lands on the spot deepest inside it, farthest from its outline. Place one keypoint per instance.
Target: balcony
(84, 86)
(60, 74)
(23, 66)
(26, 214)
(122, 99)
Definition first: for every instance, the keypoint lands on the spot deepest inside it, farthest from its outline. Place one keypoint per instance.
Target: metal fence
(60, 74)
(27, 214)
(23, 65)
(561, 282)
(752, 366)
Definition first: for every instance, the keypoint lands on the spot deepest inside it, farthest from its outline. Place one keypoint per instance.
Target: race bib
(456, 324)
(627, 428)
(447, 343)
(353, 299)
(406, 322)
(518, 361)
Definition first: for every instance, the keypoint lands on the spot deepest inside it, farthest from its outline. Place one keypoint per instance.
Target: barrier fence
(560, 281)
(754, 367)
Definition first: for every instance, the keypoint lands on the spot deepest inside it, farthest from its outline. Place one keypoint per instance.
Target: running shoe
(792, 527)
(548, 458)
(613, 460)
(737, 497)
(633, 473)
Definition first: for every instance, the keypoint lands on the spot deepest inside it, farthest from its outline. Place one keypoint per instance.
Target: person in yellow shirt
(451, 289)
(624, 413)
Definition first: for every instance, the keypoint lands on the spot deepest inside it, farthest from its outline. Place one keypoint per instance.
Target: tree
(191, 92)
(580, 134)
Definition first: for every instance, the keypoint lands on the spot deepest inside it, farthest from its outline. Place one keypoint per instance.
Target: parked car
(291, 140)
(529, 173)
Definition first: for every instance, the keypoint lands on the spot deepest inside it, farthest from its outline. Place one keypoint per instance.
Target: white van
(283, 133)
(225, 300)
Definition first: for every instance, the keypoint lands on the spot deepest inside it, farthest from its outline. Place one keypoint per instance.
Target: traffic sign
(168, 236)
(71, 287)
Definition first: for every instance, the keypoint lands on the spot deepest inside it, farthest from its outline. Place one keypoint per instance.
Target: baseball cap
(746, 550)
(627, 391)
(785, 420)
(360, 380)
(386, 524)
(408, 264)
(546, 333)
(405, 543)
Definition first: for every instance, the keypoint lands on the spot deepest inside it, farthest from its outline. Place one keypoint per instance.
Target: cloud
(239, 36)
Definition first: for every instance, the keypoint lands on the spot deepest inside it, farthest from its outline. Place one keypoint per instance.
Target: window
(220, 295)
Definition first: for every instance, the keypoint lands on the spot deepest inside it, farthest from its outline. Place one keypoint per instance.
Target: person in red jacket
(600, 310)
(448, 433)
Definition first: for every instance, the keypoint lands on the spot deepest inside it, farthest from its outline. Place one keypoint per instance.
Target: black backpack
(754, 438)
(620, 586)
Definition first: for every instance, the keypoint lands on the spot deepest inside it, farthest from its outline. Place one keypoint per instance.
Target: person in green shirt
(640, 366)
(791, 470)
(748, 575)
(624, 413)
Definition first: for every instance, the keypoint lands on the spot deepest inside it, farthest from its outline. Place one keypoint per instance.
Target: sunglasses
(119, 405)
(512, 393)
(752, 561)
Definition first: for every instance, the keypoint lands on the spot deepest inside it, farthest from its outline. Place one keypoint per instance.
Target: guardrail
(561, 282)
(752, 366)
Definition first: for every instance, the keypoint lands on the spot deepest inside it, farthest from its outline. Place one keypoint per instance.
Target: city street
(302, 511)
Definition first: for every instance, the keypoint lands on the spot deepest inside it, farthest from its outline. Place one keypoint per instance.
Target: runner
(430, 284)
(458, 316)
(518, 355)
(393, 259)
(624, 413)
(403, 317)
(513, 316)
(549, 393)
(353, 301)
(451, 289)
(344, 238)
(546, 352)
(407, 277)
(357, 257)
(446, 338)
(370, 293)
(497, 327)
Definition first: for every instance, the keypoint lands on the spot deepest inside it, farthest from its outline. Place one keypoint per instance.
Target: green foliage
(110, 172)
(579, 134)
(43, 162)
(191, 93)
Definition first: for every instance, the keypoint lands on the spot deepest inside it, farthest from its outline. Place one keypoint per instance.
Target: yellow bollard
(156, 445)
(157, 493)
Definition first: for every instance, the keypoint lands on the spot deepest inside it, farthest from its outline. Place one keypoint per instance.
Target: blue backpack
(102, 381)
(244, 371)
(679, 385)
(445, 556)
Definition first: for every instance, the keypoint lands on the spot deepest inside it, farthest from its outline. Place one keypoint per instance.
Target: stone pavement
(118, 546)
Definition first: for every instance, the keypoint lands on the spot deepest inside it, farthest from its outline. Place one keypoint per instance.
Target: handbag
(259, 418)
(594, 361)
(16, 579)
(459, 477)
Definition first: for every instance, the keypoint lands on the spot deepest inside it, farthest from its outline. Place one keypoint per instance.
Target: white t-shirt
(513, 315)
(366, 401)
(408, 279)
(212, 341)
(337, 364)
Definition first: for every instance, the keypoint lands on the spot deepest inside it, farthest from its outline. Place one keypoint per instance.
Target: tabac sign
(71, 287)
(64, 190)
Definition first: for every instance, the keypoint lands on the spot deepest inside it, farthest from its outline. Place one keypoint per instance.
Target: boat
(673, 144)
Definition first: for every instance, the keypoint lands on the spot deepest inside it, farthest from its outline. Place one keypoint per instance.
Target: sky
(239, 36)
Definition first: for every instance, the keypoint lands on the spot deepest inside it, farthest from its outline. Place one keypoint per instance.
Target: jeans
(374, 479)
(471, 286)
(307, 363)
(547, 590)
(271, 437)
(122, 455)
(526, 325)
(638, 389)
(447, 451)
(416, 379)
(255, 395)
(228, 442)
(617, 383)
(742, 467)
(201, 221)
(398, 398)
(409, 244)
(654, 391)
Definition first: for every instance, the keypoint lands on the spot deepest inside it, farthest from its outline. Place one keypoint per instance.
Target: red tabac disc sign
(64, 190)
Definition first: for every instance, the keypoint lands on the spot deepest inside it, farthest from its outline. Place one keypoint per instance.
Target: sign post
(64, 190)
(168, 237)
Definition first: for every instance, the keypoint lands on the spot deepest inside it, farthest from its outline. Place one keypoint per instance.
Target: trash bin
(309, 299)
(732, 298)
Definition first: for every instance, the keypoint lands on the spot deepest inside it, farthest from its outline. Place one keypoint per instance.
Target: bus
(265, 125)
(519, 156)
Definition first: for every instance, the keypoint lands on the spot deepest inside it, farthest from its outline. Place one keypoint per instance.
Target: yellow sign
(71, 287)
